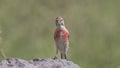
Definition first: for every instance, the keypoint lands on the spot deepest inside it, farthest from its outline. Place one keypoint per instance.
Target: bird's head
(59, 21)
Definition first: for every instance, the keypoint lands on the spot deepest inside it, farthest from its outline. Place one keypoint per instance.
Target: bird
(61, 37)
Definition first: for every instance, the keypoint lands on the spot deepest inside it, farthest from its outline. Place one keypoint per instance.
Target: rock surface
(37, 63)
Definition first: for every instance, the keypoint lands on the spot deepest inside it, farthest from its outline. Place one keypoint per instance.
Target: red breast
(61, 33)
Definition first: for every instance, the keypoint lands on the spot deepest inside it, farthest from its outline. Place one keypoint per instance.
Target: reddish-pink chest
(61, 34)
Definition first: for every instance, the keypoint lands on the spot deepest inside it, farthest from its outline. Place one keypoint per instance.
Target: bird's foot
(55, 58)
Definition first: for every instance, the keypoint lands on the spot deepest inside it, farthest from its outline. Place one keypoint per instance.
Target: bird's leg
(62, 56)
(56, 54)
(65, 56)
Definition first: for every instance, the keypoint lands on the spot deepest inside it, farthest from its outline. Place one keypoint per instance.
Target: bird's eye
(56, 21)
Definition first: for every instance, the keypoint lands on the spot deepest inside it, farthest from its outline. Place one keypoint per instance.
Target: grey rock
(37, 63)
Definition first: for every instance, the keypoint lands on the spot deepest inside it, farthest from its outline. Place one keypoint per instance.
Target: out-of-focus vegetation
(27, 28)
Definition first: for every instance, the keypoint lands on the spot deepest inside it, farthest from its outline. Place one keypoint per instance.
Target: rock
(37, 63)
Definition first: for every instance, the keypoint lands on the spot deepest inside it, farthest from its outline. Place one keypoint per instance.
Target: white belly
(62, 46)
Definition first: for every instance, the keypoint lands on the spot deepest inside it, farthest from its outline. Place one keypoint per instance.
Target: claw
(55, 58)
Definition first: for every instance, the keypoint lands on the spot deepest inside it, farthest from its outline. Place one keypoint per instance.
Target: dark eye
(56, 21)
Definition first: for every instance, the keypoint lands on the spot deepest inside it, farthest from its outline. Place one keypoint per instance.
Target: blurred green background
(27, 28)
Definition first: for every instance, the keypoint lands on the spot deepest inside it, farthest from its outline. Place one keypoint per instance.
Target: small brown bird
(61, 37)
